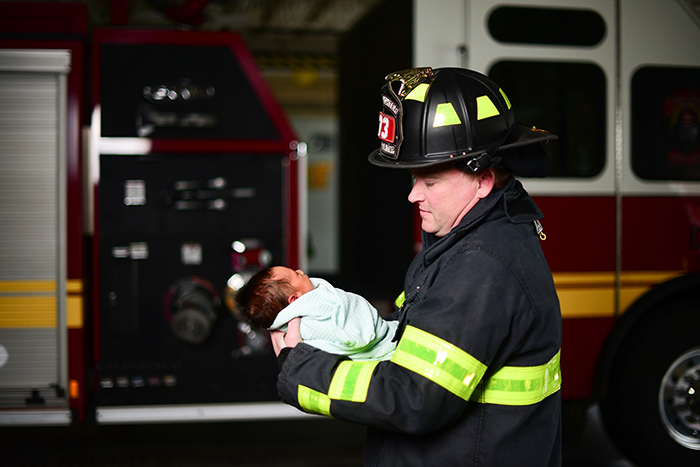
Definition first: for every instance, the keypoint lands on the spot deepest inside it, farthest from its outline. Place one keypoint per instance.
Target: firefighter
(475, 377)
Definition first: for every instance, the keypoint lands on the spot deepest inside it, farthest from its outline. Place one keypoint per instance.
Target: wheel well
(680, 288)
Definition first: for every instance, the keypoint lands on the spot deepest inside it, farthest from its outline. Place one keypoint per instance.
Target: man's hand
(291, 338)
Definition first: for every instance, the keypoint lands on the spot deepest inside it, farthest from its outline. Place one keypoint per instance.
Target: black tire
(652, 407)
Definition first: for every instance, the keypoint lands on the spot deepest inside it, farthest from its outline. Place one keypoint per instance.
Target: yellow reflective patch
(505, 97)
(445, 115)
(485, 108)
(351, 380)
(439, 361)
(313, 401)
(460, 373)
(513, 385)
(400, 299)
(419, 93)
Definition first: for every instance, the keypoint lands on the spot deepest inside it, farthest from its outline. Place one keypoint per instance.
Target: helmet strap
(479, 162)
(485, 160)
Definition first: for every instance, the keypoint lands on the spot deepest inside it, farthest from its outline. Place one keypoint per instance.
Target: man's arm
(448, 344)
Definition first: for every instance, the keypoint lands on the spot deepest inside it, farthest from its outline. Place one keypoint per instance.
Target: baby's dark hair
(260, 300)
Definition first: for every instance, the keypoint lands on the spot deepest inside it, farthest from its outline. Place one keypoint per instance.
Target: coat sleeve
(455, 331)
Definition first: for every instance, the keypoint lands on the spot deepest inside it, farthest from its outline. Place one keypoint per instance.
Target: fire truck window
(567, 99)
(666, 123)
(556, 26)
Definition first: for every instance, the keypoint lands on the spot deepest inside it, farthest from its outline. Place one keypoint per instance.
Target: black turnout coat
(477, 301)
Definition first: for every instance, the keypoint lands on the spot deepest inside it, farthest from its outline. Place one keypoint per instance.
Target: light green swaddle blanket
(340, 322)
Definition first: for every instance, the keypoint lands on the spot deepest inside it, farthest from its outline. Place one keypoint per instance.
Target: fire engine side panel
(574, 243)
(58, 28)
(582, 341)
(660, 234)
(33, 274)
(661, 158)
(650, 353)
(196, 191)
(163, 232)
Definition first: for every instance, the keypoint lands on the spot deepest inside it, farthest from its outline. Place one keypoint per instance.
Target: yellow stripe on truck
(33, 304)
(28, 286)
(28, 312)
(592, 294)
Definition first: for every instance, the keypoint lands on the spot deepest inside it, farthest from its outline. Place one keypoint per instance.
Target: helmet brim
(525, 136)
(528, 135)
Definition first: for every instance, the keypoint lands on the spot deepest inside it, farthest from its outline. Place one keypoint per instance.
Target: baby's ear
(293, 297)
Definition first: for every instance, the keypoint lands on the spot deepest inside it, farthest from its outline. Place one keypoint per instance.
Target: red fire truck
(619, 82)
(124, 235)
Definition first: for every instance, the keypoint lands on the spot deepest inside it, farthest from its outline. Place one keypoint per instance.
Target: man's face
(299, 281)
(444, 195)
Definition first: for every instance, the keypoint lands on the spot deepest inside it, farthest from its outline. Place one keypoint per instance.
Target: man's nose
(415, 195)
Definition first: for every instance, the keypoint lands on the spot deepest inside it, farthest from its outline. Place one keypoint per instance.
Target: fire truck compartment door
(33, 337)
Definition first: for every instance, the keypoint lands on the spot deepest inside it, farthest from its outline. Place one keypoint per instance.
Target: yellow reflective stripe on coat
(514, 385)
(313, 401)
(439, 361)
(400, 299)
(351, 380)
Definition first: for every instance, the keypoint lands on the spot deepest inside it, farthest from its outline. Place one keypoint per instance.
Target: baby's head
(268, 292)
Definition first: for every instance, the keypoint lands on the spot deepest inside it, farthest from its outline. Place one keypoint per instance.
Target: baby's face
(297, 279)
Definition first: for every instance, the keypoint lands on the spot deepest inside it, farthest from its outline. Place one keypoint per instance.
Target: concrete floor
(314, 442)
(286, 443)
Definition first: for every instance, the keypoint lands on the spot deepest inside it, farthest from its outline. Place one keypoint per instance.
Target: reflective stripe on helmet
(439, 361)
(513, 385)
(445, 115)
(313, 401)
(400, 299)
(505, 98)
(351, 380)
(485, 108)
(419, 93)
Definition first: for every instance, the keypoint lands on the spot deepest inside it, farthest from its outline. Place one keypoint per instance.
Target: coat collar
(518, 207)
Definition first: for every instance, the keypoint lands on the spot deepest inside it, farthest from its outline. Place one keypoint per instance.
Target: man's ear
(487, 180)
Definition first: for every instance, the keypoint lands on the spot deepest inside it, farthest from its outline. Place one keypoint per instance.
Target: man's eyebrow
(430, 176)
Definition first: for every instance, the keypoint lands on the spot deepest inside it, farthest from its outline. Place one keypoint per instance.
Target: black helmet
(430, 117)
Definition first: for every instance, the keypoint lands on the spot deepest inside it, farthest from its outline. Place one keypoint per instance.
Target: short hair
(261, 299)
(500, 174)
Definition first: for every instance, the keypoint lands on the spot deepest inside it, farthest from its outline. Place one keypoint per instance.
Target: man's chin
(427, 228)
